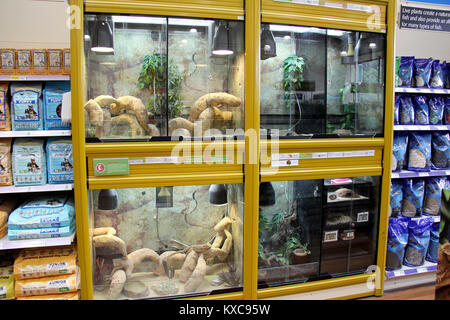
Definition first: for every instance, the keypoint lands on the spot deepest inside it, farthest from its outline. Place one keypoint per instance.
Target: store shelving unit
(31, 77)
(35, 133)
(6, 244)
(37, 188)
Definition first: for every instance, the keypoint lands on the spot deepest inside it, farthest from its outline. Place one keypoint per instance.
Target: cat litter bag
(413, 194)
(40, 233)
(421, 113)
(396, 198)
(436, 110)
(405, 71)
(433, 246)
(26, 106)
(52, 98)
(29, 162)
(422, 72)
(419, 151)
(418, 240)
(446, 119)
(440, 152)
(406, 115)
(433, 193)
(397, 110)
(399, 149)
(397, 240)
(44, 212)
(59, 160)
(437, 76)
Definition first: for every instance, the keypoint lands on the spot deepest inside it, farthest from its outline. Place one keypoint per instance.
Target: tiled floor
(416, 293)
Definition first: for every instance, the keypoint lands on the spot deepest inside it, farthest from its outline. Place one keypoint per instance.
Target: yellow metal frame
(252, 172)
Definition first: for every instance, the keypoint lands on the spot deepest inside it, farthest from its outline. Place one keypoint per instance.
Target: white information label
(284, 163)
(135, 161)
(334, 5)
(310, 2)
(154, 160)
(358, 7)
(335, 154)
(319, 155)
(285, 156)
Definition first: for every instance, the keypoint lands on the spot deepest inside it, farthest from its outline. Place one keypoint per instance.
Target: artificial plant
(293, 68)
(153, 76)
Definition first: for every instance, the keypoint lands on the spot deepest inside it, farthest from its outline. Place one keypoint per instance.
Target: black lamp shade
(266, 194)
(102, 36)
(107, 199)
(218, 194)
(221, 41)
(268, 45)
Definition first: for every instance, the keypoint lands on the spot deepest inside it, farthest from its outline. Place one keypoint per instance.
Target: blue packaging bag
(413, 194)
(405, 71)
(39, 233)
(422, 72)
(26, 106)
(29, 163)
(440, 151)
(446, 119)
(418, 240)
(52, 99)
(399, 148)
(397, 109)
(44, 212)
(419, 151)
(436, 110)
(396, 198)
(437, 75)
(406, 115)
(433, 193)
(59, 160)
(421, 113)
(433, 246)
(397, 240)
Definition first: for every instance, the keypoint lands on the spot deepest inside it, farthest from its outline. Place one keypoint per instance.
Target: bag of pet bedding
(29, 162)
(405, 71)
(397, 241)
(440, 150)
(418, 240)
(406, 114)
(52, 97)
(433, 193)
(59, 160)
(6, 283)
(413, 194)
(422, 72)
(41, 233)
(26, 106)
(7, 205)
(433, 246)
(44, 212)
(396, 198)
(6, 177)
(436, 110)
(399, 148)
(5, 116)
(419, 151)
(48, 285)
(421, 113)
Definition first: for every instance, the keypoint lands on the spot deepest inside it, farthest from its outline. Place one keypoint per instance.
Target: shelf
(414, 174)
(6, 244)
(37, 188)
(422, 90)
(35, 133)
(34, 77)
(406, 271)
(412, 127)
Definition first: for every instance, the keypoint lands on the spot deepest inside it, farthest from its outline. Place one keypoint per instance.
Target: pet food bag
(397, 241)
(437, 75)
(6, 176)
(400, 146)
(418, 240)
(7, 205)
(397, 110)
(6, 283)
(59, 160)
(45, 262)
(39, 61)
(41, 233)
(433, 193)
(419, 151)
(413, 194)
(405, 71)
(433, 246)
(47, 285)
(60, 296)
(7, 61)
(421, 113)
(44, 212)
(447, 111)
(422, 72)
(23, 61)
(55, 60)
(440, 152)
(406, 115)
(396, 198)
(66, 61)
(52, 98)
(29, 162)
(26, 106)
(444, 73)
(5, 116)
(436, 110)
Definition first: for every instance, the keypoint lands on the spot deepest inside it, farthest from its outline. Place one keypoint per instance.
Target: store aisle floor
(416, 293)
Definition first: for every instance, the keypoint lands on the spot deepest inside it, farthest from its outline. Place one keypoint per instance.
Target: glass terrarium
(152, 77)
(316, 229)
(166, 241)
(321, 82)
